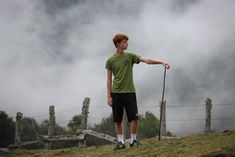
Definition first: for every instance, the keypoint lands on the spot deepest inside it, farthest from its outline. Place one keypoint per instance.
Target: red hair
(118, 38)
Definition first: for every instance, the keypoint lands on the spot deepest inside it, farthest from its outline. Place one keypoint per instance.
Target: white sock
(133, 137)
(120, 138)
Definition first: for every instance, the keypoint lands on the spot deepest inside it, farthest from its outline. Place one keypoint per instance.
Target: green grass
(203, 145)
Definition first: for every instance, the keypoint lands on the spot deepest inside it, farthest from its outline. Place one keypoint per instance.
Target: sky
(53, 52)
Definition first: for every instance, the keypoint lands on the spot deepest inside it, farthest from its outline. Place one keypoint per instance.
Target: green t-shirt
(122, 69)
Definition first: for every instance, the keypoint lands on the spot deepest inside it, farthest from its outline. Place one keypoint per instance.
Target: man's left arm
(154, 61)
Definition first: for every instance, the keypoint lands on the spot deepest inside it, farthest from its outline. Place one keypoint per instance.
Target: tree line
(148, 127)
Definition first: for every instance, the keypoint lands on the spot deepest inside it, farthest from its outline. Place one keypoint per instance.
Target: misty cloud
(53, 52)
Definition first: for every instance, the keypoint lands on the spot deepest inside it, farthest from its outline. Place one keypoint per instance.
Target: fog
(53, 52)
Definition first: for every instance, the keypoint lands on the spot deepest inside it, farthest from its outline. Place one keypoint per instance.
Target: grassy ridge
(203, 145)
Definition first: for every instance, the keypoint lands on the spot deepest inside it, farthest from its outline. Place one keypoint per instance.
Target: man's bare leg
(133, 130)
(119, 131)
(134, 126)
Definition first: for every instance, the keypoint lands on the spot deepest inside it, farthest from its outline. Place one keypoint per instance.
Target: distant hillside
(202, 145)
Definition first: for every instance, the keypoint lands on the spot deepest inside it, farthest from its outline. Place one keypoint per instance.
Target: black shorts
(121, 101)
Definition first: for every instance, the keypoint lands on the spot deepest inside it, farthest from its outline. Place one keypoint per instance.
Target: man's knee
(134, 121)
(118, 123)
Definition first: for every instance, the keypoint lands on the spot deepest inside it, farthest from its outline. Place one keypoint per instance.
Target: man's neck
(119, 52)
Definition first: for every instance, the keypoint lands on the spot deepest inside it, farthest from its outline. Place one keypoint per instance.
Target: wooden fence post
(18, 129)
(163, 122)
(208, 115)
(51, 126)
(85, 111)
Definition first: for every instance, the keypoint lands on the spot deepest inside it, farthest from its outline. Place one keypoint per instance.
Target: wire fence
(147, 108)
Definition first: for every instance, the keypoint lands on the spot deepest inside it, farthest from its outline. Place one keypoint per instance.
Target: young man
(121, 90)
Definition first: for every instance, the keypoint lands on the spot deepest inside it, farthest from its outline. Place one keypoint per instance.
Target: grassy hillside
(203, 145)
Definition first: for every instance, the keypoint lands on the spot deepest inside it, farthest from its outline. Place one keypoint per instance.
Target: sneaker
(135, 143)
(119, 145)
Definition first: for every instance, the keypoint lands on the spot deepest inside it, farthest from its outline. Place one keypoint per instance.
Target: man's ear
(118, 43)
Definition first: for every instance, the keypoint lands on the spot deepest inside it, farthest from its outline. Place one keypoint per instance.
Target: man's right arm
(109, 84)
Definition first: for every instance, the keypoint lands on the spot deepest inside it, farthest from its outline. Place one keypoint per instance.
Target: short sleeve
(108, 65)
(135, 58)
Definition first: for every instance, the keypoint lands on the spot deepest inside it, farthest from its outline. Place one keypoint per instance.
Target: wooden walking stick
(163, 91)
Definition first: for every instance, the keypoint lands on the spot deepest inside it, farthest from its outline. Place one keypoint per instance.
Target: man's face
(123, 44)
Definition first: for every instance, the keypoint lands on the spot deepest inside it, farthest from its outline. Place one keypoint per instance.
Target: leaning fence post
(51, 126)
(208, 115)
(85, 111)
(163, 122)
(18, 129)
